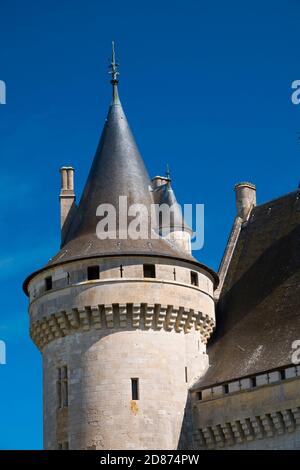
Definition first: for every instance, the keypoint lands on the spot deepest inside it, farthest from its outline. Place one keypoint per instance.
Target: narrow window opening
(62, 387)
(63, 445)
(58, 385)
(174, 274)
(65, 394)
(253, 381)
(226, 389)
(160, 219)
(149, 270)
(186, 374)
(93, 273)
(68, 278)
(199, 395)
(194, 278)
(48, 283)
(121, 270)
(135, 389)
(282, 374)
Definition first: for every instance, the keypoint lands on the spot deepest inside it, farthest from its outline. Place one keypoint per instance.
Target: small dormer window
(194, 278)
(93, 273)
(48, 283)
(149, 270)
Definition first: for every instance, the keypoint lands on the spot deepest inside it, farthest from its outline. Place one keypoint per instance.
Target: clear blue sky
(205, 85)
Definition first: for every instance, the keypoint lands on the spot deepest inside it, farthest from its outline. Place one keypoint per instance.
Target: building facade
(123, 324)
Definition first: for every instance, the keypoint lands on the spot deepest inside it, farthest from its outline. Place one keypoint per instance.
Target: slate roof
(117, 170)
(258, 314)
(164, 194)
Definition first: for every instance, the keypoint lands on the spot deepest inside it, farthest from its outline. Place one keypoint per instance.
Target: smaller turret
(172, 226)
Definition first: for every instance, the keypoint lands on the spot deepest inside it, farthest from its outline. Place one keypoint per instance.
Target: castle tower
(121, 323)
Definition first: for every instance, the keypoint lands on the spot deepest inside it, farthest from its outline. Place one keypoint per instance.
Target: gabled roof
(258, 314)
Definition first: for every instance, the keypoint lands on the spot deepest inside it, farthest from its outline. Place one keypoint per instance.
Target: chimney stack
(67, 198)
(245, 194)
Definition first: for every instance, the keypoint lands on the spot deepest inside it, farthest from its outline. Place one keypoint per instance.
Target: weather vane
(113, 66)
(168, 174)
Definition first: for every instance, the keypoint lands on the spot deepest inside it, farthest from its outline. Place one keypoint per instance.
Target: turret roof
(117, 170)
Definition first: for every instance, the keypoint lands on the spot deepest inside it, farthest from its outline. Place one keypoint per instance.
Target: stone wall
(264, 417)
(115, 328)
(101, 412)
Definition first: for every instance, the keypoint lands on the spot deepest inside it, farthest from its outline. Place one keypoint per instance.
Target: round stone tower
(122, 323)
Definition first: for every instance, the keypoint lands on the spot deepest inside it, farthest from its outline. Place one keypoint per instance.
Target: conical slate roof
(164, 194)
(117, 170)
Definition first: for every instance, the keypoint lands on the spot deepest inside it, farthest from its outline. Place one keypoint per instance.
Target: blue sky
(206, 86)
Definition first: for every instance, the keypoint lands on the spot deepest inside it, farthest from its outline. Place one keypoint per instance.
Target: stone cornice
(192, 262)
(119, 316)
(247, 429)
(123, 281)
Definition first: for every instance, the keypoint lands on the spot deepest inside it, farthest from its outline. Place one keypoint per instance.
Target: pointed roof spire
(114, 75)
(117, 170)
(168, 174)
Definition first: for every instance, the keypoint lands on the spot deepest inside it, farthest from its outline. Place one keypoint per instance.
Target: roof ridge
(276, 199)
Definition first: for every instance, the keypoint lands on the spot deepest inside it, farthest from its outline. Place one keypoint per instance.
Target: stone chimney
(245, 194)
(67, 198)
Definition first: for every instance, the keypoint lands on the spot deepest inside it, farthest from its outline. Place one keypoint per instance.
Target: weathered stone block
(234, 386)
(274, 376)
(217, 391)
(207, 394)
(262, 380)
(290, 372)
(246, 384)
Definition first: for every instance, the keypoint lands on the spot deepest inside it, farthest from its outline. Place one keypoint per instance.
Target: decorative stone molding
(247, 429)
(61, 281)
(246, 384)
(143, 316)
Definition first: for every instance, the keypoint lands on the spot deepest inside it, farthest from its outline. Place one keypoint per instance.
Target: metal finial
(114, 66)
(168, 175)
